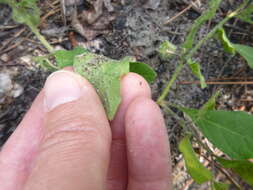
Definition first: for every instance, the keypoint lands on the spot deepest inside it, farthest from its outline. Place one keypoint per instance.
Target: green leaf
(198, 172)
(144, 70)
(65, 58)
(227, 45)
(105, 75)
(195, 67)
(246, 14)
(246, 52)
(167, 50)
(243, 168)
(229, 131)
(219, 186)
(45, 63)
(26, 12)
(209, 14)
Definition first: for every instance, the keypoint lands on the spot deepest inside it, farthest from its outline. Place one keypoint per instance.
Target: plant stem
(221, 169)
(42, 39)
(181, 121)
(170, 83)
(207, 37)
(193, 51)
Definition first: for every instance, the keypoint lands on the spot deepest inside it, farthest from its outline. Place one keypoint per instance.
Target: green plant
(229, 131)
(104, 73)
(27, 12)
(219, 127)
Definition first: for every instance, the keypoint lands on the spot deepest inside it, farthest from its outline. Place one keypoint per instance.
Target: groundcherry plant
(229, 131)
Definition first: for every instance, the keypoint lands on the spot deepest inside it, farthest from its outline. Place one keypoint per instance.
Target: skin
(68, 147)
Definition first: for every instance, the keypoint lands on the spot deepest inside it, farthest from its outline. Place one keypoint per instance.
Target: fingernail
(61, 87)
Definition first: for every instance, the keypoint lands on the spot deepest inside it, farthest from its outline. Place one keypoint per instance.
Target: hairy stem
(207, 37)
(191, 53)
(181, 121)
(170, 83)
(42, 39)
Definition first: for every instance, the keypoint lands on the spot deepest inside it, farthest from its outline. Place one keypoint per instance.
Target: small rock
(2, 126)
(58, 47)
(16, 91)
(54, 31)
(27, 60)
(5, 85)
(94, 46)
(152, 4)
(5, 57)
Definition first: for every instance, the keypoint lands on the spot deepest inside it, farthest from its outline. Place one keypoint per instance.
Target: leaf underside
(104, 74)
(65, 58)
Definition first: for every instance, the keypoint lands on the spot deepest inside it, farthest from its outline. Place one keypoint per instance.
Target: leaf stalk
(42, 39)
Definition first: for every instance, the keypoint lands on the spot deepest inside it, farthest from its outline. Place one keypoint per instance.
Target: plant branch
(194, 132)
(207, 37)
(190, 126)
(181, 121)
(190, 54)
(214, 30)
(170, 83)
(217, 165)
(42, 39)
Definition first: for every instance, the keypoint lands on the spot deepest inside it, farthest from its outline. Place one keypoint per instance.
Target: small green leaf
(219, 186)
(144, 70)
(45, 63)
(65, 58)
(246, 14)
(230, 131)
(104, 74)
(167, 50)
(26, 12)
(243, 168)
(246, 52)
(227, 45)
(209, 14)
(198, 172)
(195, 67)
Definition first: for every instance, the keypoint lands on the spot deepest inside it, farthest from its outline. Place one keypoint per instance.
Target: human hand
(66, 142)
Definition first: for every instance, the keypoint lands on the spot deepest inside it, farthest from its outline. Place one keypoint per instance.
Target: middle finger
(132, 86)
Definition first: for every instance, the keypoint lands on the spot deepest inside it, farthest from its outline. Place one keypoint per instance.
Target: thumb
(74, 151)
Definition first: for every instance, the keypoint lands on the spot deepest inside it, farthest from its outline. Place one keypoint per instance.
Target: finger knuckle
(69, 136)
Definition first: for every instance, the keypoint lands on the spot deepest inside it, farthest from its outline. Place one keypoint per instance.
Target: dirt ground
(136, 28)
